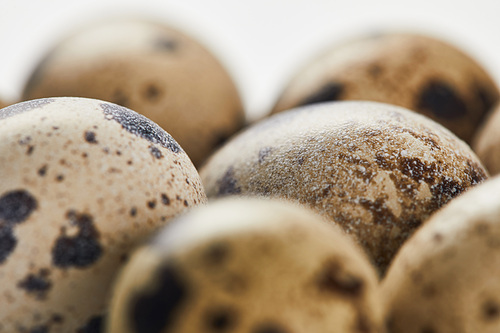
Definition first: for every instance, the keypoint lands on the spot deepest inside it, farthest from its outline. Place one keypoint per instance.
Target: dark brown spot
(37, 285)
(43, 170)
(216, 254)
(94, 325)
(80, 250)
(60, 178)
(152, 92)
(186, 204)
(438, 238)
(165, 199)
(141, 126)
(30, 150)
(154, 311)
(164, 43)
(441, 99)
(16, 206)
(382, 215)
(89, 136)
(155, 152)
(39, 329)
(133, 211)
(7, 242)
(227, 184)
(221, 319)
(333, 278)
(329, 92)
(490, 310)
(152, 204)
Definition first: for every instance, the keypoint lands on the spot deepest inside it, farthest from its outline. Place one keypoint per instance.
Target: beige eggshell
(486, 143)
(152, 69)
(248, 266)
(414, 71)
(82, 182)
(445, 278)
(377, 170)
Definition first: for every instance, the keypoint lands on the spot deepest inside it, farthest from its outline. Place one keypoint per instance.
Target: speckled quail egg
(445, 278)
(486, 142)
(247, 265)
(376, 169)
(82, 182)
(152, 69)
(419, 72)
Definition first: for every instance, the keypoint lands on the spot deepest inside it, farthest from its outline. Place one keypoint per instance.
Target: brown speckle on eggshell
(151, 68)
(247, 265)
(445, 277)
(66, 197)
(418, 72)
(376, 169)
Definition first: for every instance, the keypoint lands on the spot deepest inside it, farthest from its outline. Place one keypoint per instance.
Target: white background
(261, 42)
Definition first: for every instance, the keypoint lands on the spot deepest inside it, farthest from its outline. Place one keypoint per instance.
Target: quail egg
(376, 169)
(151, 68)
(82, 182)
(247, 265)
(418, 72)
(445, 278)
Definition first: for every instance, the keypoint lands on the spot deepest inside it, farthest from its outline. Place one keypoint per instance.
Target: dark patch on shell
(381, 214)
(16, 206)
(216, 254)
(133, 211)
(81, 250)
(228, 184)
(165, 199)
(152, 92)
(221, 319)
(141, 126)
(22, 107)
(43, 170)
(328, 92)
(166, 44)
(7, 242)
(334, 279)
(490, 310)
(442, 100)
(263, 153)
(269, 327)
(89, 136)
(151, 204)
(37, 284)
(94, 325)
(154, 311)
(155, 152)
(39, 329)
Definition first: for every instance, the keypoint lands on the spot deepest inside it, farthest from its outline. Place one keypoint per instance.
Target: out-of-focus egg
(152, 69)
(418, 72)
(445, 278)
(486, 143)
(376, 169)
(247, 266)
(82, 181)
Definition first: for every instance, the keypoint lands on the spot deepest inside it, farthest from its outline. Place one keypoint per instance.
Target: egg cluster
(133, 200)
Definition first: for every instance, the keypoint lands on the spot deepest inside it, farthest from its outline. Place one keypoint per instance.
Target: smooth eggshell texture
(82, 182)
(418, 72)
(248, 266)
(487, 142)
(445, 278)
(152, 69)
(376, 169)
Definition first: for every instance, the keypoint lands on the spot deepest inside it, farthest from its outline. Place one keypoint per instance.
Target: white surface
(261, 42)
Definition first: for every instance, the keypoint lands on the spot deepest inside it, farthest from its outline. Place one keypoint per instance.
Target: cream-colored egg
(445, 278)
(153, 69)
(247, 265)
(376, 169)
(82, 181)
(415, 71)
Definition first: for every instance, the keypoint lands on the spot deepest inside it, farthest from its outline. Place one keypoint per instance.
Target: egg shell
(376, 169)
(248, 265)
(418, 72)
(486, 142)
(82, 182)
(150, 68)
(445, 278)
